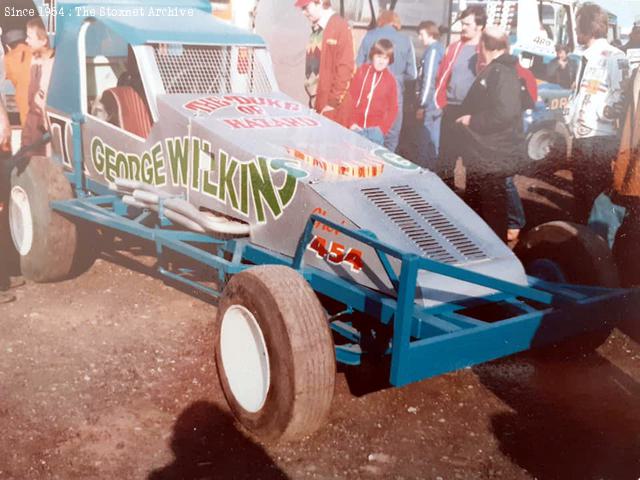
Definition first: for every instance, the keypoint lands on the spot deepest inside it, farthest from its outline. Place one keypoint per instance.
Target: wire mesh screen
(210, 70)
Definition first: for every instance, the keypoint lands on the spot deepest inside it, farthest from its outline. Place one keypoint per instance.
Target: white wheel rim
(245, 358)
(20, 220)
(540, 145)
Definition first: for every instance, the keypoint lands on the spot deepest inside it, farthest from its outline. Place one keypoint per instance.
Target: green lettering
(178, 151)
(110, 168)
(288, 189)
(134, 166)
(244, 188)
(159, 177)
(195, 169)
(226, 179)
(121, 166)
(207, 186)
(262, 188)
(97, 154)
(147, 168)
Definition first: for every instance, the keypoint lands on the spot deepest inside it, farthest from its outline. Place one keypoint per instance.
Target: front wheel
(274, 353)
(45, 240)
(566, 252)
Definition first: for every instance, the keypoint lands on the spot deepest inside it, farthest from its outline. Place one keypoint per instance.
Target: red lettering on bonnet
(207, 105)
(211, 104)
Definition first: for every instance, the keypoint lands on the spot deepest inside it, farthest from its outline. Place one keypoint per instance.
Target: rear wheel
(569, 253)
(274, 353)
(45, 240)
(546, 147)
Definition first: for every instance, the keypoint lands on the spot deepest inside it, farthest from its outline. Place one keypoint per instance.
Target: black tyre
(274, 353)
(569, 253)
(45, 240)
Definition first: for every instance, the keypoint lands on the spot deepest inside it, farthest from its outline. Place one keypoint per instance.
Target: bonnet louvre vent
(439, 239)
(408, 225)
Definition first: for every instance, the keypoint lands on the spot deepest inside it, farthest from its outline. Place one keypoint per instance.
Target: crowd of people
(471, 98)
(452, 123)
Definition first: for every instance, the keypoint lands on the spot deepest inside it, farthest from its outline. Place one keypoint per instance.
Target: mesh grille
(210, 70)
(444, 232)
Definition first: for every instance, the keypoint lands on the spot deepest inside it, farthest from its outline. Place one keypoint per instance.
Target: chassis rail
(426, 341)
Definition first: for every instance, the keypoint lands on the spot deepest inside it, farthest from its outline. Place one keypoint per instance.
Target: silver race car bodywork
(210, 125)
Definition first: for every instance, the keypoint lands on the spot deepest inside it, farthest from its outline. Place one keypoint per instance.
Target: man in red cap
(330, 61)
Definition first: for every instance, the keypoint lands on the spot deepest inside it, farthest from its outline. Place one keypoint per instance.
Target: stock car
(167, 126)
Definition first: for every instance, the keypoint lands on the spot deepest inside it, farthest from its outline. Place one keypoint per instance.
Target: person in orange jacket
(626, 188)
(40, 75)
(17, 63)
(330, 61)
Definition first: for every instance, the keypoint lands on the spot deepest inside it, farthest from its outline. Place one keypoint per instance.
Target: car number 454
(336, 253)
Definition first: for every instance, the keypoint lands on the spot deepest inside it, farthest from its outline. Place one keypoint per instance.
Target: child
(375, 94)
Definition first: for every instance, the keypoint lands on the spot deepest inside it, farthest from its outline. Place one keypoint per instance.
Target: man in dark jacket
(562, 70)
(492, 133)
(634, 40)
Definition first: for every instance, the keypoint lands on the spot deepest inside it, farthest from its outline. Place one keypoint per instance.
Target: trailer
(319, 246)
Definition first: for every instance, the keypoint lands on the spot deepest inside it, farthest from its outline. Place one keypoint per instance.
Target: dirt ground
(111, 375)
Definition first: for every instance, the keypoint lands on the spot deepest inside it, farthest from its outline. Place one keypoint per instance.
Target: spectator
(455, 76)
(375, 93)
(626, 186)
(40, 74)
(18, 65)
(494, 137)
(5, 136)
(561, 70)
(329, 61)
(634, 39)
(403, 66)
(427, 112)
(595, 109)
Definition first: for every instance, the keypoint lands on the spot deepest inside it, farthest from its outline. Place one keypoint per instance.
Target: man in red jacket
(457, 72)
(330, 61)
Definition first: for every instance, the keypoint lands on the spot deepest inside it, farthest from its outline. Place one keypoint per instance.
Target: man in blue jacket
(429, 136)
(403, 66)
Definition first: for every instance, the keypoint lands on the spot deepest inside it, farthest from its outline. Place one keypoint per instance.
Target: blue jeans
(374, 134)
(392, 138)
(515, 210)
(429, 140)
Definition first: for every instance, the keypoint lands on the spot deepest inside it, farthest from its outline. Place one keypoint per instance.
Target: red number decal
(319, 245)
(354, 259)
(336, 253)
